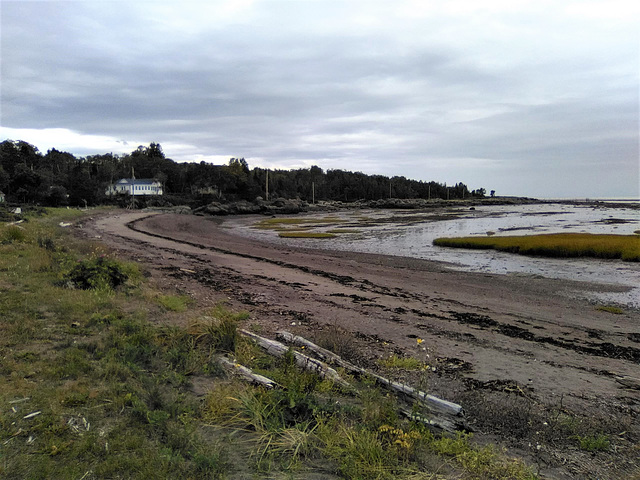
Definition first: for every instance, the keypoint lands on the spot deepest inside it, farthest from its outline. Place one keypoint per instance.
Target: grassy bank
(95, 382)
(625, 247)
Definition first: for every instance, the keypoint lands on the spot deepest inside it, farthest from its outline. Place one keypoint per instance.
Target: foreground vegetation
(90, 387)
(625, 247)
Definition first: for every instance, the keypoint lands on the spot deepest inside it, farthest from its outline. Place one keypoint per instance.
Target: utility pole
(389, 187)
(429, 198)
(313, 193)
(267, 185)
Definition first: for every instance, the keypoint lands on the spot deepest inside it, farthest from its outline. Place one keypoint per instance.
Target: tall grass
(625, 247)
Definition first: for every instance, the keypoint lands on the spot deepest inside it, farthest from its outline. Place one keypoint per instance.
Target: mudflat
(499, 345)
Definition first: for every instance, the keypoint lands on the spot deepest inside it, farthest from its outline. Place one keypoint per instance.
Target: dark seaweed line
(604, 349)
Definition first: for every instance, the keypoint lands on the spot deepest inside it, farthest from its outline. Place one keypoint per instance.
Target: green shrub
(97, 273)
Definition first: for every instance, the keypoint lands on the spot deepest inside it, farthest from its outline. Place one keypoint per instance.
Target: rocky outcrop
(278, 206)
(292, 206)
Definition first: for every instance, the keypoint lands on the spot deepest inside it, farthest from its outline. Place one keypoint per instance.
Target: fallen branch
(278, 349)
(246, 373)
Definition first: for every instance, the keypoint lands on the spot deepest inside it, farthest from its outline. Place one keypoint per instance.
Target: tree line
(59, 178)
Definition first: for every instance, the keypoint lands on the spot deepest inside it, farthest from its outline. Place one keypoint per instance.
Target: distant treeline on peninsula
(59, 178)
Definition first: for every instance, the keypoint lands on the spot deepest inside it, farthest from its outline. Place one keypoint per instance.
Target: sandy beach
(491, 341)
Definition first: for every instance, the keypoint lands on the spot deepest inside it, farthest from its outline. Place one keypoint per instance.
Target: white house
(135, 187)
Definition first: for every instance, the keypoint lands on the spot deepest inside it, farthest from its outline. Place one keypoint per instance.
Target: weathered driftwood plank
(433, 421)
(303, 361)
(325, 354)
(629, 382)
(435, 404)
(246, 373)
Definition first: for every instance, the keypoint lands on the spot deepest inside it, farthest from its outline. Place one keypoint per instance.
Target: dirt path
(493, 332)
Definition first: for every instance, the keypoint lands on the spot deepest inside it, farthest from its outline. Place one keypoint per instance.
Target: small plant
(593, 443)
(218, 331)
(338, 341)
(47, 243)
(404, 363)
(174, 303)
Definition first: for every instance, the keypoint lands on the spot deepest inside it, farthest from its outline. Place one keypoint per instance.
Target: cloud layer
(527, 98)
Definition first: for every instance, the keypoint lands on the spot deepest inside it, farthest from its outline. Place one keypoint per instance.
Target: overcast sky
(535, 98)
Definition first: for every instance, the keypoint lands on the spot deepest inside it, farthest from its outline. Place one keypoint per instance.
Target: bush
(96, 273)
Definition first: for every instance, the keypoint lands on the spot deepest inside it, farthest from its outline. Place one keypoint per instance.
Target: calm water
(411, 234)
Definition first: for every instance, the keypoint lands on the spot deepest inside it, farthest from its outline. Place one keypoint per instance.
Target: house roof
(137, 181)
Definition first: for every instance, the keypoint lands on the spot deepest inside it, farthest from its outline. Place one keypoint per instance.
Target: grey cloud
(290, 83)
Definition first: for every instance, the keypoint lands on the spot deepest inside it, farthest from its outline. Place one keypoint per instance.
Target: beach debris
(32, 414)
(278, 349)
(246, 373)
(65, 224)
(19, 400)
(440, 404)
(78, 424)
(443, 414)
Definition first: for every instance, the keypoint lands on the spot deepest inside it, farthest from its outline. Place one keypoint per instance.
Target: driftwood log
(278, 349)
(431, 401)
(246, 373)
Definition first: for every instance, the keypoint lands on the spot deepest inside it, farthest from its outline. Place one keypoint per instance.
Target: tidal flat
(411, 233)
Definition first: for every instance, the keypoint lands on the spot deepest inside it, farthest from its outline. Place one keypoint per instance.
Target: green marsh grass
(625, 247)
